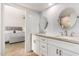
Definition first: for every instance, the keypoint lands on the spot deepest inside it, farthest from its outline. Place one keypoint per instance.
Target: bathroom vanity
(52, 45)
(55, 45)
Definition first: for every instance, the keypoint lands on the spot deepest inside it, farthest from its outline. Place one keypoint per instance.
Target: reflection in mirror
(43, 24)
(67, 19)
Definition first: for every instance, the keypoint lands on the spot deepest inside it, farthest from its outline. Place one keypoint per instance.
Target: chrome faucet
(72, 33)
(66, 33)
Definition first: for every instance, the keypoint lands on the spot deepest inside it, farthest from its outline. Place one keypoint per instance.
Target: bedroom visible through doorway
(14, 30)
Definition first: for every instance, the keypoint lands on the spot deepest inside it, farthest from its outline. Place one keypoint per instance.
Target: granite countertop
(74, 40)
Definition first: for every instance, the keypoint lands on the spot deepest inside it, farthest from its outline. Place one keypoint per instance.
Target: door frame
(1, 30)
(2, 27)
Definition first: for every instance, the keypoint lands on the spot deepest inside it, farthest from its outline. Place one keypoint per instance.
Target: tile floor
(17, 49)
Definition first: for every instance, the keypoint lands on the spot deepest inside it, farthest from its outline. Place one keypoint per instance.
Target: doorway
(14, 30)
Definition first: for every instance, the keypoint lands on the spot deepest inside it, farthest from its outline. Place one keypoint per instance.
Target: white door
(52, 50)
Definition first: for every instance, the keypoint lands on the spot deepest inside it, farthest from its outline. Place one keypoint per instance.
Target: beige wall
(13, 16)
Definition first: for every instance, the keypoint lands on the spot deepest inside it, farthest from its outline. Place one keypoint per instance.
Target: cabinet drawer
(43, 39)
(43, 46)
(35, 46)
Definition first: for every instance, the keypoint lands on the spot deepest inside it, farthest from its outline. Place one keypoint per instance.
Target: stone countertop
(74, 40)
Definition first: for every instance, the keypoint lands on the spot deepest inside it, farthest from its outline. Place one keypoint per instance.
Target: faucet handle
(72, 33)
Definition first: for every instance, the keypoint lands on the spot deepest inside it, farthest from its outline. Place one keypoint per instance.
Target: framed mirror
(43, 23)
(67, 18)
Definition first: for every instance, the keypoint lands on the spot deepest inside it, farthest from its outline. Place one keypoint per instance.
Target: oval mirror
(67, 18)
(43, 24)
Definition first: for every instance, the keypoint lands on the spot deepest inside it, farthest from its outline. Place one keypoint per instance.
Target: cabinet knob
(56, 51)
(60, 53)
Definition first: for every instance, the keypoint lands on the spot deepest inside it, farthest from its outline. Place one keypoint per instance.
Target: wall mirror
(43, 23)
(67, 18)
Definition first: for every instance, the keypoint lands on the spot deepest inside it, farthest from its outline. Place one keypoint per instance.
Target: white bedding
(14, 37)
(7, 35)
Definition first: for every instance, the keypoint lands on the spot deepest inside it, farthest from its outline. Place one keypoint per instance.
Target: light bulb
(50, 4)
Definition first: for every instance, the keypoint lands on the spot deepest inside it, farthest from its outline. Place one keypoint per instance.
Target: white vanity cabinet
(63, 52)
(52, 50)
(61, 48)
(36, 47)
(35, 44)
(39, 45)
(45, 46)
(56, 51)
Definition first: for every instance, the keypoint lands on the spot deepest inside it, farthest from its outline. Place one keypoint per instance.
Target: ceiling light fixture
(50, 4)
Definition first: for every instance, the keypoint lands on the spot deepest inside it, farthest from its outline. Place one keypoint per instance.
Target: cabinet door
(52, 50)
(43, 49)
(63, 52)
(35, 46)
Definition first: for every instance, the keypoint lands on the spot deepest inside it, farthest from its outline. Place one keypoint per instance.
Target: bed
(14, 34)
